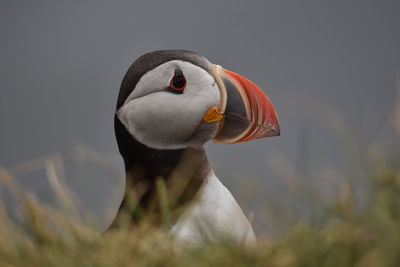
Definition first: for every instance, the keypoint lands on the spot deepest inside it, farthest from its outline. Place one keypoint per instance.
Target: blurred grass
(349, 234)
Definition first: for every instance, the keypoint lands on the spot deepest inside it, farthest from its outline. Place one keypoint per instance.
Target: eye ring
(177, 83)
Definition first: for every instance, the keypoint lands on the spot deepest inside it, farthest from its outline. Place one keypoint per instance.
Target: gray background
(329, 68)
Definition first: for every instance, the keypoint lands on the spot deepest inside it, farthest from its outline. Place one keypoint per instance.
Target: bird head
(176, 99)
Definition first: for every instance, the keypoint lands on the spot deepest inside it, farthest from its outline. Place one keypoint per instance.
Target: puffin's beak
(247, 112)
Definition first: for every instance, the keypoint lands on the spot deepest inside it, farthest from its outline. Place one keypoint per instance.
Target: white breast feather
(215, 216)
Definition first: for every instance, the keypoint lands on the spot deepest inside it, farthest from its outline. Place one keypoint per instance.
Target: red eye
(178, 82)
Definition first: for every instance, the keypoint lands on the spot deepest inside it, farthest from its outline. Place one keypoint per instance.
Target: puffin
(170, 103)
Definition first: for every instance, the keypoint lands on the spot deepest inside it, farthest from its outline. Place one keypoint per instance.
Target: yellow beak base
(213, 115)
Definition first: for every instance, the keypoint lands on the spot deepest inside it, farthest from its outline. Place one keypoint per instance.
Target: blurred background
(331, 69)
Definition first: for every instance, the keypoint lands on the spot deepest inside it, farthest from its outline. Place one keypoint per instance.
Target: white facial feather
(165, 120)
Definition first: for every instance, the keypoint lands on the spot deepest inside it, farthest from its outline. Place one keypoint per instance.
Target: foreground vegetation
(349, 234)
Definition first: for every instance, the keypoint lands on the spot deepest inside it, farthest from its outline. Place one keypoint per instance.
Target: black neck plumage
(159, 162)
(181, 168)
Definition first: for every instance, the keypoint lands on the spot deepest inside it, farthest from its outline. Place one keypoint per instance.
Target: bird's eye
(177, 83)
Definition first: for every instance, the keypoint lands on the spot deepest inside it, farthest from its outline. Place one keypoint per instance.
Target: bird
(170, 103)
